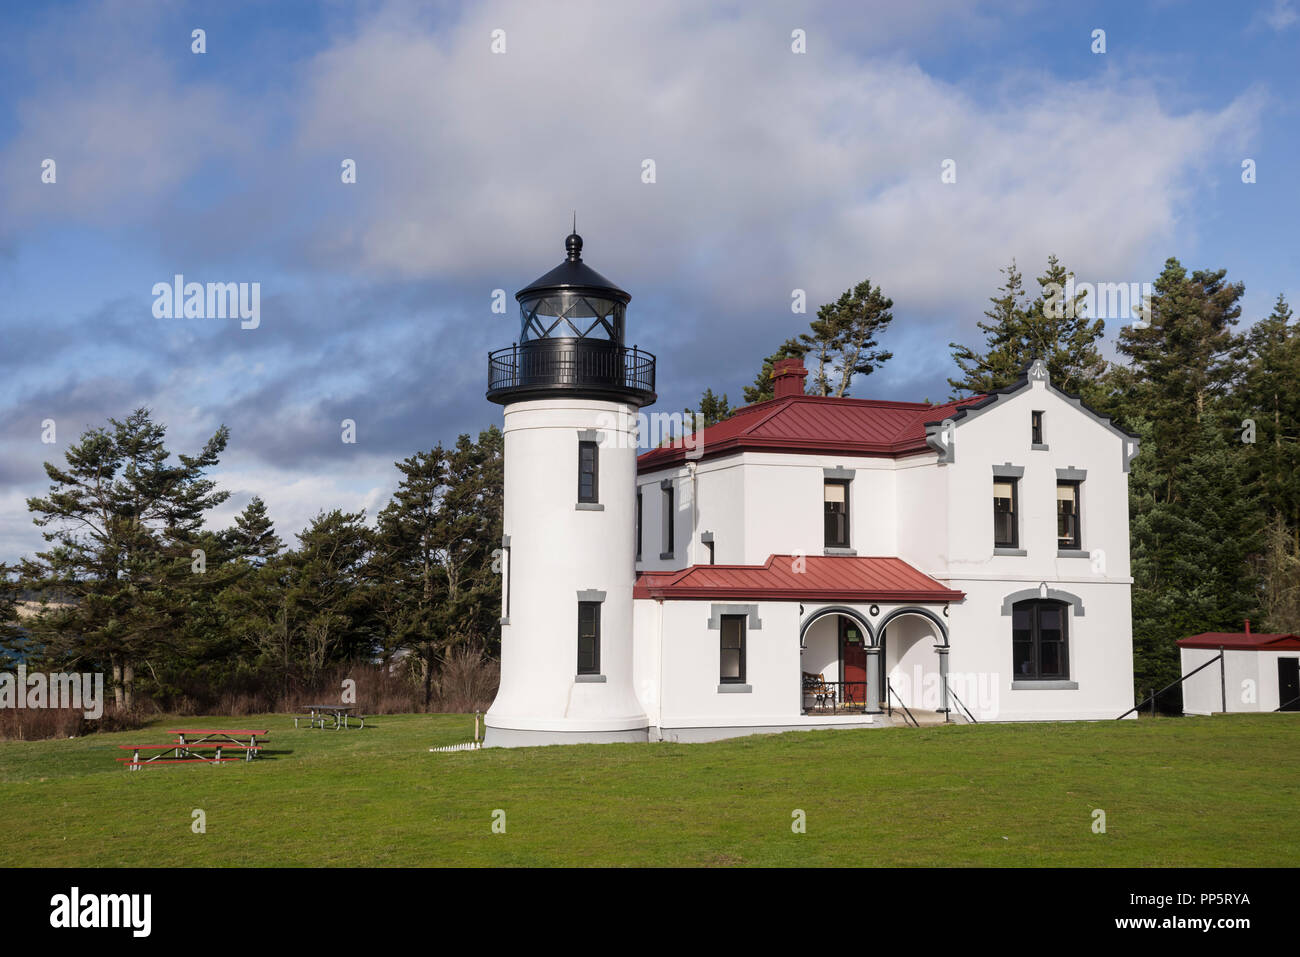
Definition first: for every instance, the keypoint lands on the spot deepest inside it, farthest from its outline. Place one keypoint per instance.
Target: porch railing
(834, 697)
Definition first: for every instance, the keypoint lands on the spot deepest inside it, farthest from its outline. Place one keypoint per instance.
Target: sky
(774, 170)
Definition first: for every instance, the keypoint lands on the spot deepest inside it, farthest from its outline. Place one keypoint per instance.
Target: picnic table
(318, 714)
(191, 745)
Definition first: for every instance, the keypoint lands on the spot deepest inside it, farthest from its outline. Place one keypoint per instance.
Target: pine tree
(1269, 400)
(843, 338)
(125, 525)
(1019, 330)
(253, 537)
(1182, 361)
(712, 409)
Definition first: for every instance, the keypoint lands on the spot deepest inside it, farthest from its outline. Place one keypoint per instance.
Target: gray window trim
(504, 621)
(717, 611)
(666, 484)
(1052, 595)
(1039, 447)
(1008, 471)
(1073, 553)
(505, 541)
(735, 689)
(838, 474)
(1049, 684)
(840, 551)
(589, 679)
(589, 435)
(1010, 552)
(588, 507)
(706, 537)
(590, 594)
(1071, 474)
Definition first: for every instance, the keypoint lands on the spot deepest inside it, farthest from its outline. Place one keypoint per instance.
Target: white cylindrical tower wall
(562, 552)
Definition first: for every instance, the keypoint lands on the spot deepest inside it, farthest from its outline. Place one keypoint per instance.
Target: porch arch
(924, 613)
(821, 613)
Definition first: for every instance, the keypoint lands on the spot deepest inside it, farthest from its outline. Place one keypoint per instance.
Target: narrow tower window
(588, 637)
(588, 472)
(668, 520)
(732, 651)
(638, 524)
(1067, 516)
(1036, 427)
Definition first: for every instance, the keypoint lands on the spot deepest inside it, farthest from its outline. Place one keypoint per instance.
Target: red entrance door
(853, 655)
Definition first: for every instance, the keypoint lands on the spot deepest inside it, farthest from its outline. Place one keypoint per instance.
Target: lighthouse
(571, 390)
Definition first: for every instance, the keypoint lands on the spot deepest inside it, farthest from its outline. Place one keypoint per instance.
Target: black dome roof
(573, 274)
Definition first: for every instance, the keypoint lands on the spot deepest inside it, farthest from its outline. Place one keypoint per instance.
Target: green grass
(1192, 791)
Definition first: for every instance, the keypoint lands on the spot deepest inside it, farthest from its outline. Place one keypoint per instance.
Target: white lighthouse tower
(571, 391)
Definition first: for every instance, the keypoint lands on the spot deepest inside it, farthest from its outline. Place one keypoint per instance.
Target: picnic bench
(318, 714)
(816, 686)
(191, 745)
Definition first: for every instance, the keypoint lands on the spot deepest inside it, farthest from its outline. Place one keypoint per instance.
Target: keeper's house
(1257, 672)
(809, 562)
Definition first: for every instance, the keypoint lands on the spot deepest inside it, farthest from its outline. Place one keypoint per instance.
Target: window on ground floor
(732, 653)
(588, 637)
(1039, 640)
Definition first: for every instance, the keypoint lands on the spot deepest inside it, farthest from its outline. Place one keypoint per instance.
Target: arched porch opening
(838, 650)
(914, 661)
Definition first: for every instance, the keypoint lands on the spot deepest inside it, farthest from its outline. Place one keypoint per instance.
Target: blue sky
(775, 171)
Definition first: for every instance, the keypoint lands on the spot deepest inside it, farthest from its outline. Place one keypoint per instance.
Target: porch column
(943, 679)
(873, 679)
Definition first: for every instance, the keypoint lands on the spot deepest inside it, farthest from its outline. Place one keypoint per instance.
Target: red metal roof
(799, 578)
(815, 424)
(1240, 641)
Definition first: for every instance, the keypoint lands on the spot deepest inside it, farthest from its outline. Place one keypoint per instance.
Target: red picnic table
(191, 742)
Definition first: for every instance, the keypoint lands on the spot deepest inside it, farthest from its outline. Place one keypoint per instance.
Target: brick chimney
(787, 377)
(1248, 626)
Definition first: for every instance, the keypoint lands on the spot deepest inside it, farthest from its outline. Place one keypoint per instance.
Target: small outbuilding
(1257, 672)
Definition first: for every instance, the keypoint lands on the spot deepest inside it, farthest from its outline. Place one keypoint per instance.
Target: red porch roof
(1241, 641)
(813, 424)
(823, 578)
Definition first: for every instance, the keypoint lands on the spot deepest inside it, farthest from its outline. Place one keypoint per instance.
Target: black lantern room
(571, 341)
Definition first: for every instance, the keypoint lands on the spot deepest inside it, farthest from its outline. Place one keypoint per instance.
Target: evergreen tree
(125, 523)
(1019, 330)
(253, 537)
(712, 409)
(842, 338)
(1269, 398)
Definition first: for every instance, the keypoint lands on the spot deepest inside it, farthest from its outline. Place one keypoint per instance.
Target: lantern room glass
(564, 314)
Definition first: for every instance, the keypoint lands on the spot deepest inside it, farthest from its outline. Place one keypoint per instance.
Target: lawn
(1192, 791)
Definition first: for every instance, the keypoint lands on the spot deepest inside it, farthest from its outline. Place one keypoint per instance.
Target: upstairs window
(588, 637)
(1006, 521)
(836, 495)
(669, 509)
(1039, 641)
(588, 472)
(638, 524)
(731, 668)
(1036, 428)
(1068, 535)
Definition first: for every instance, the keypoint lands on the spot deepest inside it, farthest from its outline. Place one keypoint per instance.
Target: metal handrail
(952, 694)
(892, 694)
(608, 365)
(1152, 697)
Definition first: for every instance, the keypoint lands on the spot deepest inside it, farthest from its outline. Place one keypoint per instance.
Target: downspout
(695, 513)
(659, 722)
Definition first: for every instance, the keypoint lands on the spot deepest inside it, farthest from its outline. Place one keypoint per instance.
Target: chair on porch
(816, 687)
